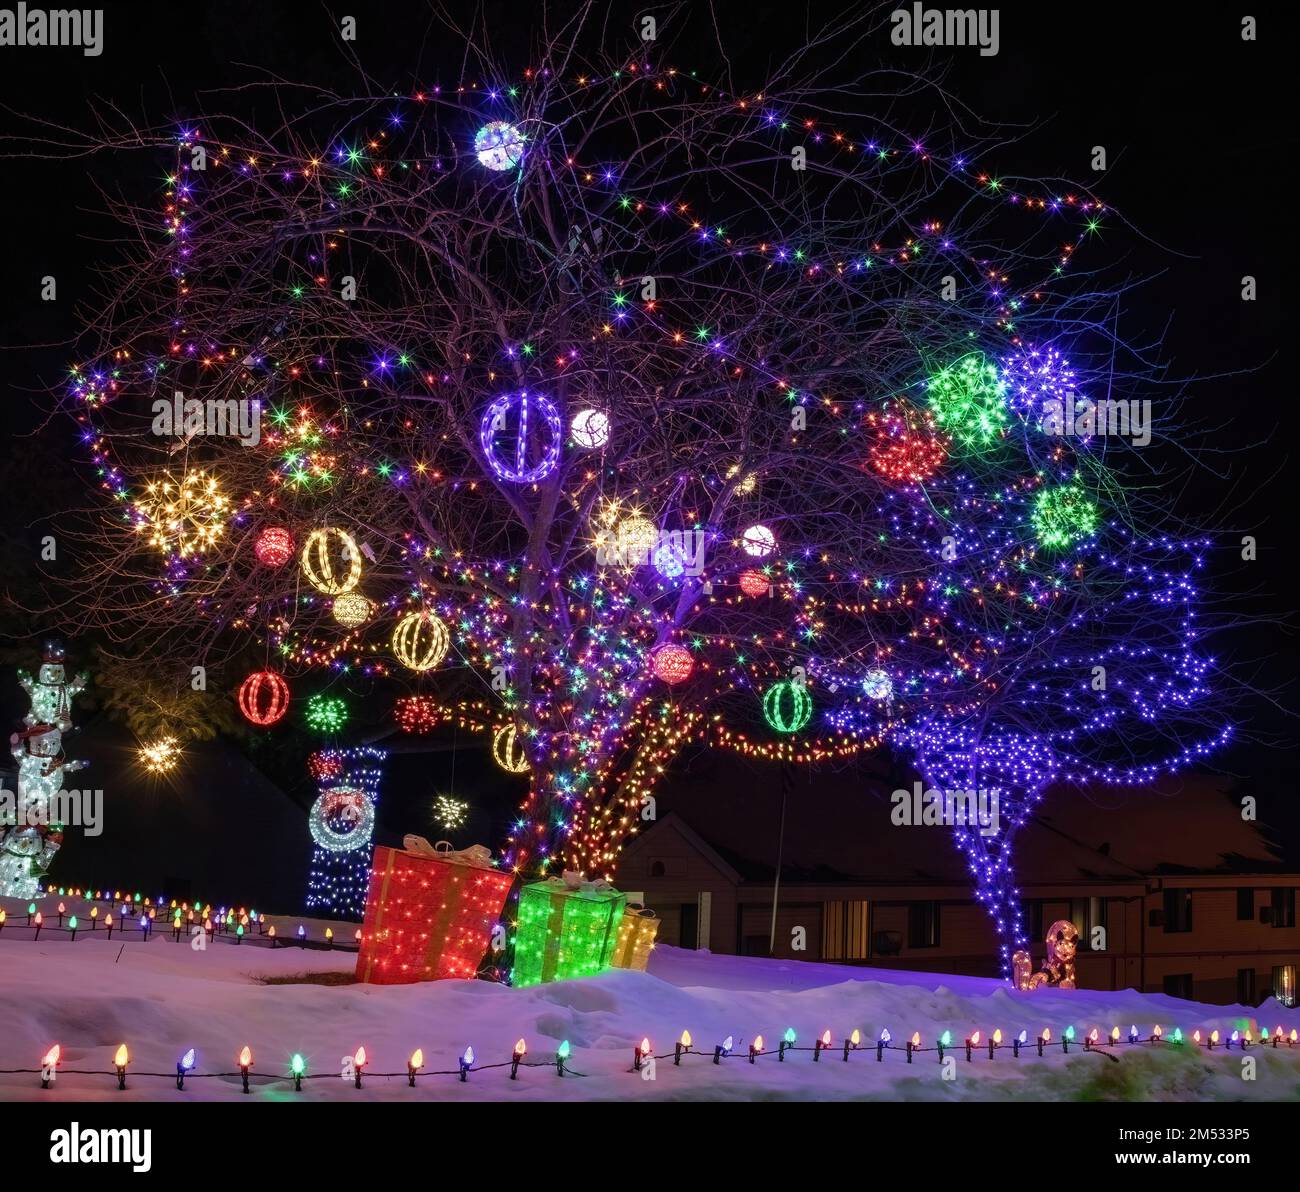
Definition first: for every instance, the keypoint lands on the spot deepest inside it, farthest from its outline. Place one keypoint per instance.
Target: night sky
(1196, 130)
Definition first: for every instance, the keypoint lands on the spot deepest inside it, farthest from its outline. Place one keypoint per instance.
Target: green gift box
(567, 928)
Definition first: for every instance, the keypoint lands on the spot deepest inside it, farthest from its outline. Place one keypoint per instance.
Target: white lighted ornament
(590, 428)
(351, 609)
(758, 541)
(877, 684)
(636, 540)
(499, 145)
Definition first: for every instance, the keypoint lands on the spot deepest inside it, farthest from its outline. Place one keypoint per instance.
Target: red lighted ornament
(672, 663)
(754, 583)
(274, 546)
(264, 697)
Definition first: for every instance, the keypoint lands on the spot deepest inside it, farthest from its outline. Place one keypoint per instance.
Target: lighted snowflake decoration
(184, 516)
(450, 813)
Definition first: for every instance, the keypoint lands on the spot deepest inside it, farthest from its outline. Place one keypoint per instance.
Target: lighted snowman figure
(28, 845)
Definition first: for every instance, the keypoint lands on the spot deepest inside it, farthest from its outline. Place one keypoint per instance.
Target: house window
(1246, 902)
(1246, 987)
(1284, 983)
(1179, 985)
(922, 924)
(844, 930)
(1283, 906)
(656, 869)
(1178, 911)
(1085, 914)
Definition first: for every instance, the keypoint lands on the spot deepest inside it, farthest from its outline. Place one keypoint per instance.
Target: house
(1172, 892)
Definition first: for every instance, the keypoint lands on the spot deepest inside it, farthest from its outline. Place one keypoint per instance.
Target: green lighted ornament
(326, 713)
(787, 706)
(968, 400)
(1062, 516)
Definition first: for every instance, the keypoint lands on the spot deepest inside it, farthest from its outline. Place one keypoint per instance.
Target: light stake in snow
(302, 935)
(184, 1065)
(72, 926)
(1067, 1039)
(723, 1048)
(756, 1048)
(1043, 1040)
(945, 1040)
(62, 911)
(38, 926)
(561, 1054)
(822, 1044)
(2, 919)
(643, 1049)
(1156, 1034)
(329, 938)
(521, 1049)
(787, 1041)
(48, 1065)
(31, 910)
(466, 1063)
(144, 926)
(881, 1044)
(913, 1044)
(1020, 1040)
(359, 1064)
(120, 1062)
(995, 1041)
(413, 1065)
(1133, 1033)
(680, 1047)
(245, 1062)
(973, 1041)
(852, 1043)
(1214, 1038)
(297, 1067)
(108, 922)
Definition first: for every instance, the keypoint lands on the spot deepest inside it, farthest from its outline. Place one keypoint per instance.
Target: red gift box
(429, 912)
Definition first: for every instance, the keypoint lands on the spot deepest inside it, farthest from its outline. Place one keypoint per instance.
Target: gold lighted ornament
(420, 640)
(637, 537)
(318, 567)
(351, 609)
(508, 750)
(186, 516)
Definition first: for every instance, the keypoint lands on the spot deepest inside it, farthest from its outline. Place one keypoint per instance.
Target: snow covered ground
(161, 999)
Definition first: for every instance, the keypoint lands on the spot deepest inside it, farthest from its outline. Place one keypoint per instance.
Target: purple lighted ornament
(520, 435)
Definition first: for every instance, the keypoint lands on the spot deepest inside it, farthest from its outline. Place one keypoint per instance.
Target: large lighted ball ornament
(342, 819)
(668, 561)
(520, 435)
(590, 429)
(672, 663)
(421, 640)
(877, 685)
(508, 751)
(758, 541)
(351, 609)
(264, 697)
(754, 583)
(331, 561)
(787, 706)
(499, 145)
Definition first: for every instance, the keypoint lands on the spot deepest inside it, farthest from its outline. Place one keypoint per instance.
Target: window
(1178, 911)
(922, 924)
(1035, 906)
(656, 869)
(1179, 985)
(1246, 902)
(844, 930)
(1085, 914)
(1246, 987)
(688, 935)
(1284, 983)
(1283, 906)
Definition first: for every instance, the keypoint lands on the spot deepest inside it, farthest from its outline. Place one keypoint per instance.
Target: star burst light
(184, 516)
(450, 813)
(160, 756)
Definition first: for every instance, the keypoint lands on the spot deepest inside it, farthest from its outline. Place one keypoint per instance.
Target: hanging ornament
(274, 547)
(351, 609)
(758, 541)
(787, 706)
(161, 756)
(520, 435)
(420, 640)
(672, 663)
(905, 446)
(754, 583)
(968, 400)
(184, 516)
(450, 813)
(877, 685)
(746, 484)
(499, 145)
(590, 429)
(1063, 515)
(264, 697)
(636, 540)
(668, 561)
(342, 819)
(416, 714)
(318, 567)
(326, 713)
(508, 750)
(325, 766)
